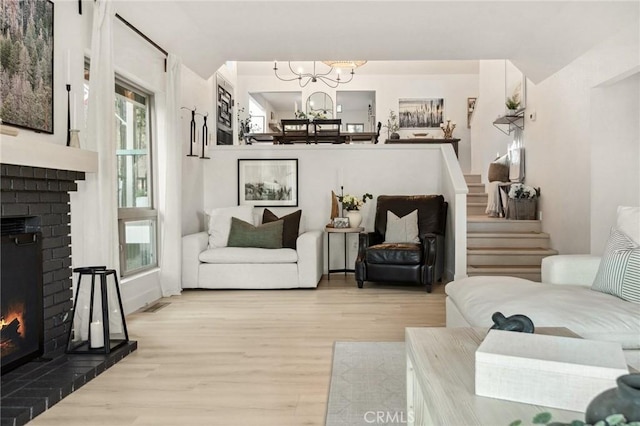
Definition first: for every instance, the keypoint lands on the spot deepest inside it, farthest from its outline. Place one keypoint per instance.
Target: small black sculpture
(519, 323)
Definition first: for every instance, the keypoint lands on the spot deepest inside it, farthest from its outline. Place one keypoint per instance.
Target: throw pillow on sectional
(244, 234)
(619, 271)
(628, 221)
(290, 229)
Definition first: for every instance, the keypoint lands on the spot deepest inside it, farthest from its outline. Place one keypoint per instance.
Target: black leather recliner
(420, 263)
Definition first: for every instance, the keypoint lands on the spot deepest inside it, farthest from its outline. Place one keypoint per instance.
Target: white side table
(344, 231)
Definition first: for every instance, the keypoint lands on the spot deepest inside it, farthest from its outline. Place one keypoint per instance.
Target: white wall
(615, 154)
(454, 88)
(487, 139)
(570, 131)
(377, 169)
(195, 94)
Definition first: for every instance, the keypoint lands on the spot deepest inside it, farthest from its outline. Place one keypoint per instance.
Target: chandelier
(306, 78)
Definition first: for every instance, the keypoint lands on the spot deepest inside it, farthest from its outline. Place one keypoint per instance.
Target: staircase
(497, 246)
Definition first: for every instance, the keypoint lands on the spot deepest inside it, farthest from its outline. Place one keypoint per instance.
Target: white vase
(355, 218)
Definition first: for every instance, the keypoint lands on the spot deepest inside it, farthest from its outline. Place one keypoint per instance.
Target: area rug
(368, 384)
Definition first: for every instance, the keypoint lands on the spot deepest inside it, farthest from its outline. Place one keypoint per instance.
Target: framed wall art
(420, 113)
(26, 65)
(471, 106)
(224, 112)
(268, 183)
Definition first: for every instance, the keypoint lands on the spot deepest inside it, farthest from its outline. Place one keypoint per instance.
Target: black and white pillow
(619, 271)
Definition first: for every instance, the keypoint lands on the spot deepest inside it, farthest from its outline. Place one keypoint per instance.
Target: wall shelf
(508, 123)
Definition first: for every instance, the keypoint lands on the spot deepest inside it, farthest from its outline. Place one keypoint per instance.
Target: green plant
(300, 114)
(513, 102)
(244, 124)
(544, 418)
(520, 190)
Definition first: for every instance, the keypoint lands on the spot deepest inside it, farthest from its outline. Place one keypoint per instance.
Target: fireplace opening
(21, 314)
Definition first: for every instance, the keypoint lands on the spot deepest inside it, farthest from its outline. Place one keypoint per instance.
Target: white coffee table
(441, 377)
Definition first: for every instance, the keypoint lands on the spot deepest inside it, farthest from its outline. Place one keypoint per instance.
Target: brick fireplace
(41, 196)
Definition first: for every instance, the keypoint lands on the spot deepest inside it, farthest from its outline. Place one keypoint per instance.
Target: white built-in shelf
(47, 155)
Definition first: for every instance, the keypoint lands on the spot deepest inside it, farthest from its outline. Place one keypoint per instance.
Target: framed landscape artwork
(26, 65)
(268, 183)
(420, 113)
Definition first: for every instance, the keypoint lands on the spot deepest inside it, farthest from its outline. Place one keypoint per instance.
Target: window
(355, 127)
(137, 217)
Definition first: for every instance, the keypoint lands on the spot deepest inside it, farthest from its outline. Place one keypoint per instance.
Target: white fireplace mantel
(47, 155)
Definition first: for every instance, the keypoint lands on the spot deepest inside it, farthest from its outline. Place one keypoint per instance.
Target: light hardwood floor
(243, 357)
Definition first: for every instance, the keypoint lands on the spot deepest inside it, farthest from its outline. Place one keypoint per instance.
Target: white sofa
(563, 299)
(251, 268)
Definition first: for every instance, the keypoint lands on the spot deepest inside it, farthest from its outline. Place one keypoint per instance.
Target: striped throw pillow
(619, 271)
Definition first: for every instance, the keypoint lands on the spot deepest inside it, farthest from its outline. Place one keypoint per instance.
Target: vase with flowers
(523, 202)
(352, 205)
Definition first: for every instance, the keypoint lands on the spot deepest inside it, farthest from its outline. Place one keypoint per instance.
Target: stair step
(476, 188)
(527, 272)
(480, 223)
(478, 240)
(472, 178)
(476, 208)
(507, 256)
(478, 198)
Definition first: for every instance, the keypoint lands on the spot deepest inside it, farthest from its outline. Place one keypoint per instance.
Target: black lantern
(98, 324)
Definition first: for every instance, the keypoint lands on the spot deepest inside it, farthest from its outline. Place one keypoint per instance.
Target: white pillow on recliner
(220, 223)
(402, 229)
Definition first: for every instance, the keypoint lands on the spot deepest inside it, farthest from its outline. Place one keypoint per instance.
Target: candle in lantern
(97, 336)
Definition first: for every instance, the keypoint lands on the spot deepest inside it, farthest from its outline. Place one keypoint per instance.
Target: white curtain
(96, 240)
(170, 184)
(98, 197)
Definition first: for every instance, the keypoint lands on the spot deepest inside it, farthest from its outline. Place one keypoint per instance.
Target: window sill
(140, 275)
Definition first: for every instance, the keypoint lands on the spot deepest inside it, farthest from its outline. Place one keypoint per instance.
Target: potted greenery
(523, 202)
(512, 104)
(392, 126)
(352, 205)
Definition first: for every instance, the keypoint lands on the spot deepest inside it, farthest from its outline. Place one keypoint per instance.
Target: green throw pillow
(244, 234)
(619, 271)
